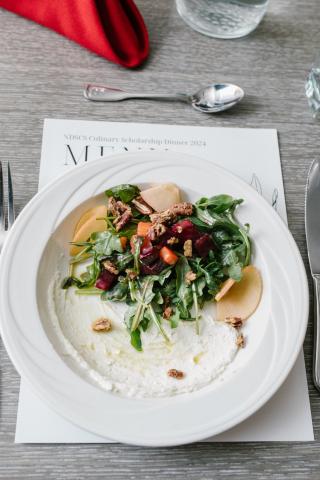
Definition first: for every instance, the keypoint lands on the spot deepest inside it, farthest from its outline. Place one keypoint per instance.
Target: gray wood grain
(41, 75)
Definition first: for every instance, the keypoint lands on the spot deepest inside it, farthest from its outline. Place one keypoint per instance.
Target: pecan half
(167, 313)
(121, 211)
(187, 248)
(172, 240)
(183, 208)
(142, 206)
(190, 277)
(122, 220)
(240, 341)
(156, 230)
(235, 322)
(112, 206)
(108, 265)
(132, 274)
(175, 373)
(101, 325)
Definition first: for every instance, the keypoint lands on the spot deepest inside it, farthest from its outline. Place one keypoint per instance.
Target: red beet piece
(185, 230)
(105, 280)
(154, 268)
(149, 255)
(204, 244)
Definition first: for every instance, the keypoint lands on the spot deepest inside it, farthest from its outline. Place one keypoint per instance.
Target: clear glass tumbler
(222, 18)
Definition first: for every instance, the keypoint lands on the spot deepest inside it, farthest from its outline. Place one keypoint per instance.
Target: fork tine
(2, 218)
(11, 213)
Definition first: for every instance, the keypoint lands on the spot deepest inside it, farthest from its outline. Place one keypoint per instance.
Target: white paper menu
(253, 155)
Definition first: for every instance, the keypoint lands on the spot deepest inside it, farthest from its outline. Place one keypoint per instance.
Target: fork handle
(316, 335)
(103, 93)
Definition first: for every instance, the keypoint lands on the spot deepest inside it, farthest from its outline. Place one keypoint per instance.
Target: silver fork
(7, 216)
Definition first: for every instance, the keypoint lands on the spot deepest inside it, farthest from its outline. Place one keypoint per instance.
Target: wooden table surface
(41, 75)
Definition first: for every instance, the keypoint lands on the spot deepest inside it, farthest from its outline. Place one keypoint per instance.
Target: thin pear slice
(243, 298)
(91, 221)
(100, 211)
(162, 196)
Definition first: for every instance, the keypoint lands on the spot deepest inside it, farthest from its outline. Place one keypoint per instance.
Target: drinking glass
(222, 18)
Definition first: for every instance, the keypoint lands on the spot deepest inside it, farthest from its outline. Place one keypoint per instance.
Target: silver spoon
(211, 99)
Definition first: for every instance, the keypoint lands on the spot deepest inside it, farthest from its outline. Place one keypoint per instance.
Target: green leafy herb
(105, 243)
(124, 192)
(118, 293)
(136, 339)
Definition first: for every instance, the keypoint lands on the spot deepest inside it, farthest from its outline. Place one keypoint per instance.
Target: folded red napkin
(113, 29)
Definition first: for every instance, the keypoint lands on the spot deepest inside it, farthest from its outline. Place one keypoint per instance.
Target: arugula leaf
(143, 297)
(136, 339)
(199, 223)
(128, 230)
(69, 282)
(219, 203)
(124, 192)
(235, 272)
(123, 260)
(88, 291)
(196, 307)
(183, 291)
(105, 243)
(136, 246)
(204, 216)
(118, 293)
(157, 321)
(174, 319)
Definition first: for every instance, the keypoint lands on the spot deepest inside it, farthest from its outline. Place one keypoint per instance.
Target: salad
(162, 256)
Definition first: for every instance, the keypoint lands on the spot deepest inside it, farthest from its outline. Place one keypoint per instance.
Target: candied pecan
(131, 274)
(122, 220)
(183, 208)
(235, 322)
(112, 206)
(142, 206)
(172, 241)
(108, 265)
(187, 248)
(101, 325)
(156, 230)
(240, 341)
(121, 211)
(162, 217)
(175, 373)
(190, 277)
(167, 313)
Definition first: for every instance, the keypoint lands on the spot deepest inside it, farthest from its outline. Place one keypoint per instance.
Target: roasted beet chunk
(153, 269)
(185, 230)
(149, 254)
(204, 244)
(106, 280)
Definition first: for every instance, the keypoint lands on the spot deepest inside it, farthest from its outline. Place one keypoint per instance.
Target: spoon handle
(103, 93)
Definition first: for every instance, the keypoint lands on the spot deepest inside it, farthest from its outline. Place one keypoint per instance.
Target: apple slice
(243, 298)
(89, 222)
(162, 196)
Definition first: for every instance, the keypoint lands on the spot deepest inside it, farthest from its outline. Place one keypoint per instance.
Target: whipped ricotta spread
(109, 360)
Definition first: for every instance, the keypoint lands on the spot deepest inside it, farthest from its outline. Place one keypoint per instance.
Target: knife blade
(312, 215)
(312, 226)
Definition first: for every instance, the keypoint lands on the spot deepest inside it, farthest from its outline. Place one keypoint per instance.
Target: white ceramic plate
(274, 333)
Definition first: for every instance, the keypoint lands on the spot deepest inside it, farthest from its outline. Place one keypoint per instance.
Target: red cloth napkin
(113, 29)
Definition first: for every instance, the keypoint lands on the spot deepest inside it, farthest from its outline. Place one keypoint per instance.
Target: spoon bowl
(217, 97)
